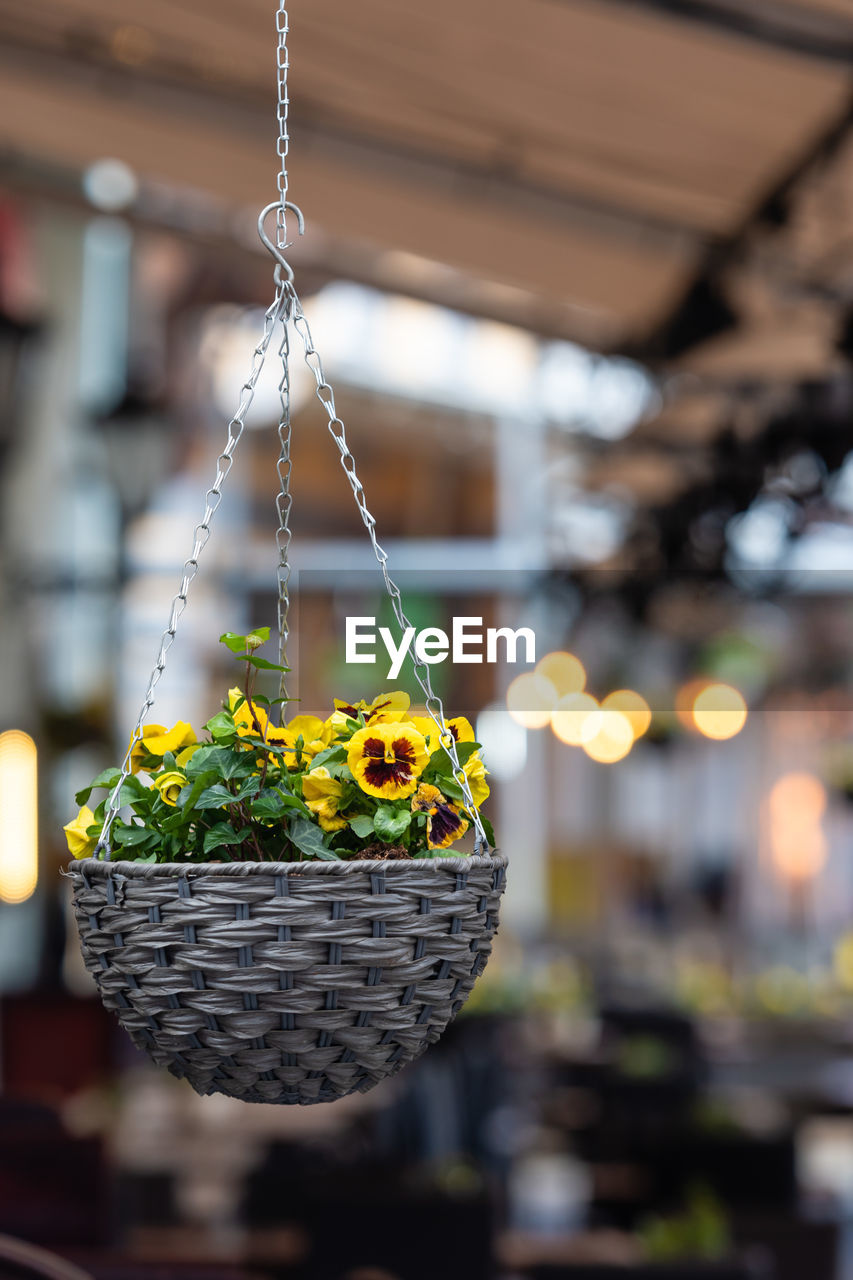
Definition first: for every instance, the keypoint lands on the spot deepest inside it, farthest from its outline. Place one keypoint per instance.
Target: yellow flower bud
(170, 785)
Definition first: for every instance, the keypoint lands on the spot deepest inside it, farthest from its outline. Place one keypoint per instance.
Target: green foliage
(251, 790)
(699, 1233)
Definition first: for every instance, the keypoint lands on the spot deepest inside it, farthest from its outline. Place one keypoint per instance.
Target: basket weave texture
(286, 982)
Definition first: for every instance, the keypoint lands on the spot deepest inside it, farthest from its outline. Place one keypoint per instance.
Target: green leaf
(107, 779)
(127, 836)
(390, 824)
(215, 797)
(451, 789)
(133, 792)
(224, 834)
(269, 805)
(263, 665)
(331, 755)
(362, 825)
(489, 830)
(236, 643)
(228, 762)
(222, 727)
(257, 636)
(308, 839)
(193, 789)
(250, 788)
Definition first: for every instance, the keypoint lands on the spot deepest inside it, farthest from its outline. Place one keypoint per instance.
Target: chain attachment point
(273, 248)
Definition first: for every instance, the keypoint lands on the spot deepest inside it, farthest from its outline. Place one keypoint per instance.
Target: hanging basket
(289, 982)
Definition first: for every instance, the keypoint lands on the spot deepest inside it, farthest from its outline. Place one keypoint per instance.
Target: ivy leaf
(222, 727)
(133, 790)
(236, 643)
(128, 836)
(331, 755)
(390, 824)
(308, 839)
(263, 665)
(107, 779)
(362, 825)
(451, 788)
(193, 789)
(223, 834)
(228, 762)
(269, 805)
(249, 789)
(215, 797)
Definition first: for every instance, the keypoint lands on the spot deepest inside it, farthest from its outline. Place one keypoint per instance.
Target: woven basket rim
(351, 866)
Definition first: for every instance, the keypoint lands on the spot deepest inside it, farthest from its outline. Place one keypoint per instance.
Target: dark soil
(377, 851)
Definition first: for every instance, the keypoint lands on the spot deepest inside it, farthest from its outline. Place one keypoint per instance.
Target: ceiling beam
(773, 24)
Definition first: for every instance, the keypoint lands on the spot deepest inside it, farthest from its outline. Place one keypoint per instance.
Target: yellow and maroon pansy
(387, 708)
(460, 729)
(445, 824)
(387, 759)
(314, 733)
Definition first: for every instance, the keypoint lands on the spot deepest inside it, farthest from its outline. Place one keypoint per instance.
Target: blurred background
(581, 272)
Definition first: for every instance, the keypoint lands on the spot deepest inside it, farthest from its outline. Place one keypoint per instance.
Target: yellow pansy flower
(80, 843)
(475, 772)
(387, 759)
(322, 794)
(170, 785)
(311, 729)
(445, 824)
(458, 726)
(387, 708)
(157, 740)
(243, 717)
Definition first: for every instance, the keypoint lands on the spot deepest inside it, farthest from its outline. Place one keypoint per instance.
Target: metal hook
(265, 240)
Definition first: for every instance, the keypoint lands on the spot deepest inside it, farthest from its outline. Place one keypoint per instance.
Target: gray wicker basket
(290, 982)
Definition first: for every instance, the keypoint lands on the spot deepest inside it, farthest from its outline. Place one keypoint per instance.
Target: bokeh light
(576, 719)
(719, 711)
(530, 699)
(564, 670)
(633, 706)
(18, 816)
(613, 738)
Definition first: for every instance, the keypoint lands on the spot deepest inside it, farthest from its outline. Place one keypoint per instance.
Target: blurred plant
(699, 1233)
(370, 780)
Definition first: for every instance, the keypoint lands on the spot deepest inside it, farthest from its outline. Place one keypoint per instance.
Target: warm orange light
(798, 853)
(795, 807)
(564, 670)
(613, 739)
(18, 816)
(797, 800)
(685, 698)
(576, 719)
(633, 706)
(530, 700)
(719, 711)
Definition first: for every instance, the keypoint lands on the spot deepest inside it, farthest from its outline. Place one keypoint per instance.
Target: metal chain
(283, 144)
(284, 502)
(202, 533)
(326, 396)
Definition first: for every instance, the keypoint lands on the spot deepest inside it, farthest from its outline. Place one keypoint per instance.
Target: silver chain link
(283, 102)
(224, 463)
(284, 502)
